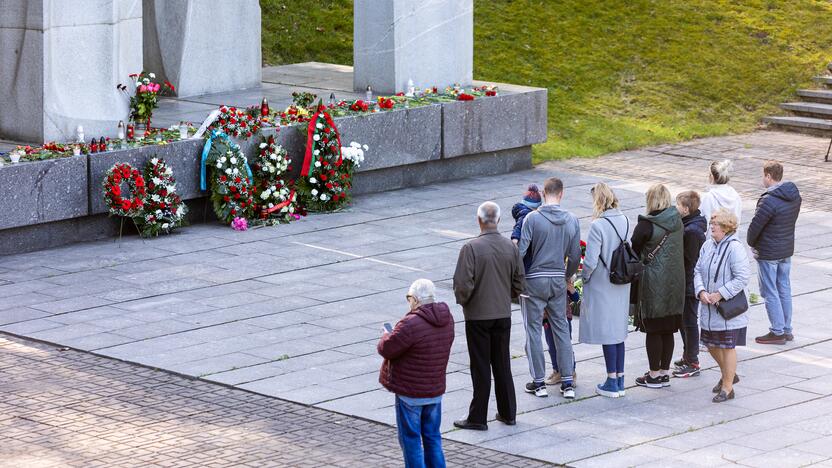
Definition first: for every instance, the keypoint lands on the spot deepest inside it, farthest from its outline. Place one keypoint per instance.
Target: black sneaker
(680, 363)
(537, 388)
(665, 380)
(688, 370)
(650, 382)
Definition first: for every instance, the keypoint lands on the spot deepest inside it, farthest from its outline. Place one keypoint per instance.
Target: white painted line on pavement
(358, 256)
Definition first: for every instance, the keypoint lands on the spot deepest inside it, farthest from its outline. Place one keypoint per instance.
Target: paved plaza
(295, 311)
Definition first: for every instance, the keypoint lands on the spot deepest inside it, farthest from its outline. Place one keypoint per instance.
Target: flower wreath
(235, 122)
(163, 208)
(231, 187)
(120, 206)
(275, 196)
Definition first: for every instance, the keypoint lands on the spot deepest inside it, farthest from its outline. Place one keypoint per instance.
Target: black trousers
(690, 329)
(488, 351)
(659, 350)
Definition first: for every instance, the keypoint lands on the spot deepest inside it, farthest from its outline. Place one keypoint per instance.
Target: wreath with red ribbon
(113, 196)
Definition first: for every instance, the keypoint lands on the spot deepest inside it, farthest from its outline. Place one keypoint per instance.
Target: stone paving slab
(294, 311)
(74, 409)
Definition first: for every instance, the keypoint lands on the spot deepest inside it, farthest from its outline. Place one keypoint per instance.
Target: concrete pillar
(203, 46)
(60, 62)
(428, 41)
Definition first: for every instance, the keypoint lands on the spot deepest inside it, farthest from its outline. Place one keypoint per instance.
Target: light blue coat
(732, 278)
(605, 307)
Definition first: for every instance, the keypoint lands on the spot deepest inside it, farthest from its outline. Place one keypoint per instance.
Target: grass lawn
(621, 74)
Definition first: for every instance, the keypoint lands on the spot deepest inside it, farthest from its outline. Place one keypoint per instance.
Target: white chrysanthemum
(154, 161)
(158, 212)
(313, 180)
(223, 159)
(152, 75)
(172, 188)
(165, 226)
(273, 156)
(316, 152)
(271, 168)
(156, 180)
(235, 171)
(316, 137)
(263, 145)
(155, 197)
(314, 192)
(317, 164)
(271, 205)
(323, 197)
(233, 160)
(319, 125)
(219, 165)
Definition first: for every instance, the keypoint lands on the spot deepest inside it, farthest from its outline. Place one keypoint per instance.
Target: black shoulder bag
(737, 305)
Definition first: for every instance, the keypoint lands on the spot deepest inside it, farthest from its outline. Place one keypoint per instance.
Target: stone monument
(203, 46)
(60, 62)
(430, 42)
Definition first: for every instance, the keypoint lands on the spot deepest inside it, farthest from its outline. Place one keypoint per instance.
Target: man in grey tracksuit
(553, 237)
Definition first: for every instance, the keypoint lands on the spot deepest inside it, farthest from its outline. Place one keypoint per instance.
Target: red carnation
(237, 180)
(465, 97)
(125, 205)
(232, 188)
(226, 198)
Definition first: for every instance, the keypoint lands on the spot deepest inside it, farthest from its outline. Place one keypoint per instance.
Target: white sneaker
(541, 391)
(568, 392)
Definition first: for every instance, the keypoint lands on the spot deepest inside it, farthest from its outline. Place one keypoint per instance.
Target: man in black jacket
(771, 236)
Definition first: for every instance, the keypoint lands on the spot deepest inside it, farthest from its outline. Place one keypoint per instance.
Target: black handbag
(737, 305)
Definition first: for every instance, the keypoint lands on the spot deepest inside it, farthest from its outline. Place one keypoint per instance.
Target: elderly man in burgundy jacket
(416, 356)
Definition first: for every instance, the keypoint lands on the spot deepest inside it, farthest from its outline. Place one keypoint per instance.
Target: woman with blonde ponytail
(720, 194)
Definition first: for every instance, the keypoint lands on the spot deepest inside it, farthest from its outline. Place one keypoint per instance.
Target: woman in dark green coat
(659, 297)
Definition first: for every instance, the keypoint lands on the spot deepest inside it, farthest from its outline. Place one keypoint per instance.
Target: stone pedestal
(203, 46)
(428, 41)
(60, 62)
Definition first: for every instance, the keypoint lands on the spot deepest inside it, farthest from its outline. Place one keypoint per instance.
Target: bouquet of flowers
(236, 122)
(146, 97)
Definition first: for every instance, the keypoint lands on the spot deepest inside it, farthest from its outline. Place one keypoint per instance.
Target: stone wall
(408, 147)
(428, 41)
(203, 46)
(60, 62)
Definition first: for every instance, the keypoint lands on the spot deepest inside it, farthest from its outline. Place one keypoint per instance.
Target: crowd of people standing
(683, 269)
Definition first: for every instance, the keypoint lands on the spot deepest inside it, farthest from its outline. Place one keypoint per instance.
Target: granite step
(808, 109)
(823, 96)
(799, 124)
(824, 80)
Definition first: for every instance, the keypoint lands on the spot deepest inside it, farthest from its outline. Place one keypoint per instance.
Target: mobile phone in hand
(388, 327)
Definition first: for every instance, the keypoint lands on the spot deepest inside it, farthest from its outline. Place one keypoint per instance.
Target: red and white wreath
(113, 195)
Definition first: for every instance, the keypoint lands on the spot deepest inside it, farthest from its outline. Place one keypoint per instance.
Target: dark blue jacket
(771, 233)
(692, 239)
(519, 212)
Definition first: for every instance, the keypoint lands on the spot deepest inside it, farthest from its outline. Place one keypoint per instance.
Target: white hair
(489, 213)
(423, 290)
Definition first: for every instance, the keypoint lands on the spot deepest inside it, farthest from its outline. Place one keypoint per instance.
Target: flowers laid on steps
(127, 203)
(163, 208)
(274, 194)
(236, 122)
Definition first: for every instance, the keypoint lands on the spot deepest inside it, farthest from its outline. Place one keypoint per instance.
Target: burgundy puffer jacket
(416, 352)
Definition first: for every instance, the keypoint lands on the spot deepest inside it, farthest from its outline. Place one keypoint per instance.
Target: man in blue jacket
(771, 237)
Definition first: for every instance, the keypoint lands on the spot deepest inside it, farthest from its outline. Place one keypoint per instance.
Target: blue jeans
(550, 343)
(419, 435)
(776, 289)
(614, 358)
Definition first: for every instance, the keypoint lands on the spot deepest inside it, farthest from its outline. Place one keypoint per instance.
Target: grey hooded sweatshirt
(552, 235)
